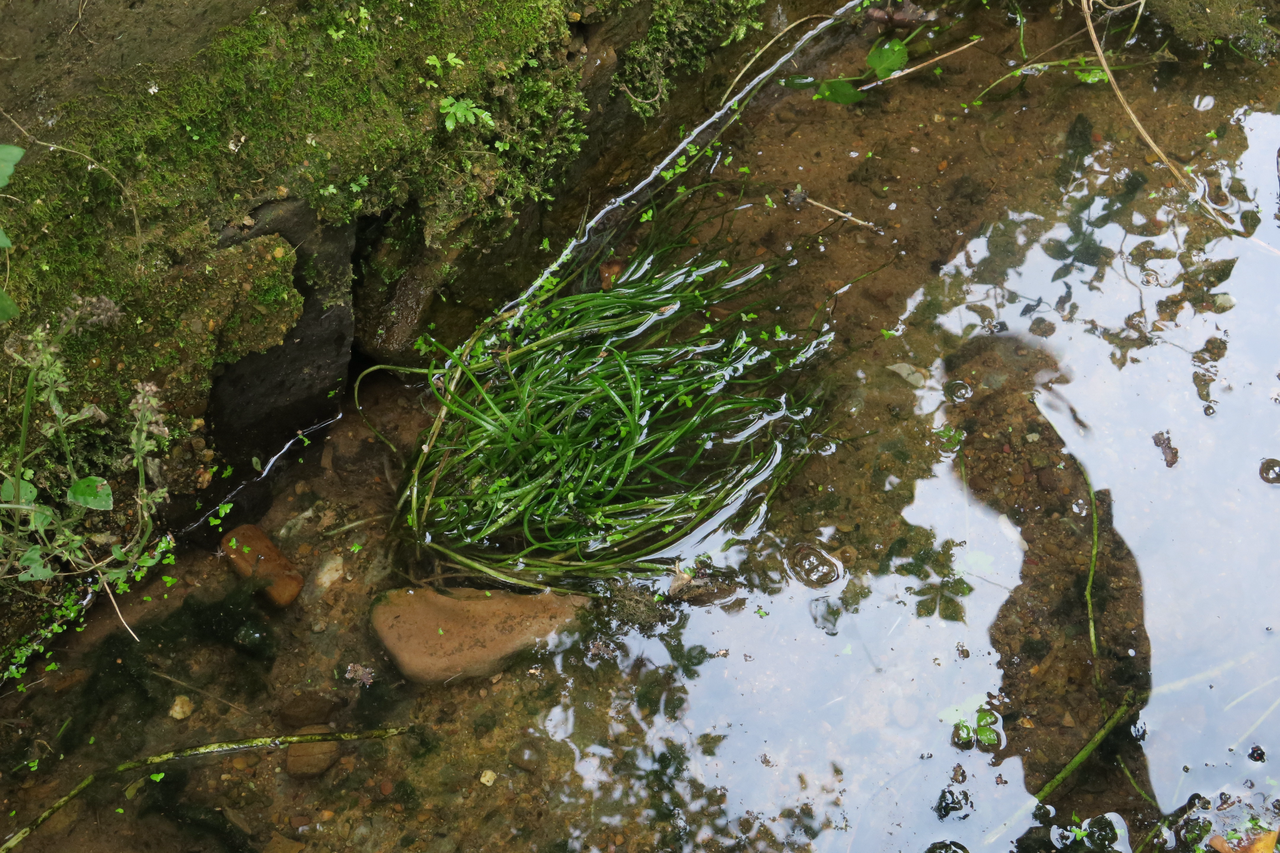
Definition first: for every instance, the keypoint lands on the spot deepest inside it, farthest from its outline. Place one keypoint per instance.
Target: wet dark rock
(1042, 328)
(1257, 754)
(1162, 441)
(258, 403)
(308, 760)
(527, 755)
(309, 709)
(433, 637)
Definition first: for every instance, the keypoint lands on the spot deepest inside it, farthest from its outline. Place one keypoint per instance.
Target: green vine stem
(196, 751)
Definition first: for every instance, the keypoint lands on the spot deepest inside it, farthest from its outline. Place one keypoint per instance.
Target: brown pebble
(239, 763)
(308, 760)
(386, 787)
(309, 709)
(1050, 549)
(1016, 480)
(298, 821)
(255, 556)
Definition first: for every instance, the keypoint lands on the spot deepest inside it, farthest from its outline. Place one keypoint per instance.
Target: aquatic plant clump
(581, 434)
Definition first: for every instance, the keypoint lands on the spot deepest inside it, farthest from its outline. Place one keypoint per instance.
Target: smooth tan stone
(308, 760)
(434, 637)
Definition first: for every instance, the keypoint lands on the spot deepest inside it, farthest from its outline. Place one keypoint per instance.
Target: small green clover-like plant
(950, 437)
(943, 598)
(984, 729)
(458, 111)
(451, 60)
(1091, 75)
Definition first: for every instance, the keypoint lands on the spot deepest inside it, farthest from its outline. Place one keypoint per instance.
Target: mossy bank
(216, 202)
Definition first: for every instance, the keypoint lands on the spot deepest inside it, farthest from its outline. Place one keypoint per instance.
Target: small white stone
(182, 708)
(487, 778)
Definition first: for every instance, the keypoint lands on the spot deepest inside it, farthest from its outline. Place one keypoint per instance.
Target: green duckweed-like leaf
(799, 81)
(838, 92)
(34, 566)
(91, 492)
(888, 58)
(9, 157)
(8, 308)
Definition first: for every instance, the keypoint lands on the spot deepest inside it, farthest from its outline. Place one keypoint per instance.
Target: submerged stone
(309, 709)
(255, 556)
(308, 760)
(469, 633)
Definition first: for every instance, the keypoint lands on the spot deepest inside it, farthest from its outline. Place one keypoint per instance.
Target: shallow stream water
(898, 655)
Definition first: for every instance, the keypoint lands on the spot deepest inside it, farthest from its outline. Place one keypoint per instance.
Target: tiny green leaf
(838, 92)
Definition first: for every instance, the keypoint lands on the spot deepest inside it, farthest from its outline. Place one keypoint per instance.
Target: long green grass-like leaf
(582, 433)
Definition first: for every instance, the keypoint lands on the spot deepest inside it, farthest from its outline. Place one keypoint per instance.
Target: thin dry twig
(898, 75)
(158, 674)
(855, 220)
(654, 99)
(107, 587)
(761, 51)
(1086, 6)
(79, 16)
(124, 192)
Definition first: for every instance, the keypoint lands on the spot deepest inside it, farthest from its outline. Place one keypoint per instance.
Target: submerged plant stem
(195, 751)
(1123, 711)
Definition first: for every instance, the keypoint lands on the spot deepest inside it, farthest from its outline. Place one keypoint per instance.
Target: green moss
(340, 108)
(1213, 23)
(681, 35)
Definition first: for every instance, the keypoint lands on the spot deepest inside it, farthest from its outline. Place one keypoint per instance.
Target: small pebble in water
(487, 778)
(182, 707)
(527, 755)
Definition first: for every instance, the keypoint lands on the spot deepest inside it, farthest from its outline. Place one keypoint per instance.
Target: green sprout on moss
(458, 111)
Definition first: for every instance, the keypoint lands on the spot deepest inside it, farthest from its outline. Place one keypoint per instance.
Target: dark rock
(310, 709)
(259, 403)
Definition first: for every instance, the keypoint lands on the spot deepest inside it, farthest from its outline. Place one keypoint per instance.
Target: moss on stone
(1211, 24)
(681, 36)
